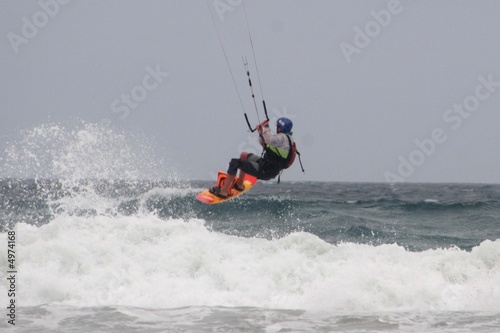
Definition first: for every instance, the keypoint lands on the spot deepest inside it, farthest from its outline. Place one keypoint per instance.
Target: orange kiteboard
(210, 198)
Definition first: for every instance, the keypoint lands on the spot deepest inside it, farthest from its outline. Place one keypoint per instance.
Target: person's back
(278, 148)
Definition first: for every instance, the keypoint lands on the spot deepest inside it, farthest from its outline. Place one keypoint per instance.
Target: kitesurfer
(279, 153)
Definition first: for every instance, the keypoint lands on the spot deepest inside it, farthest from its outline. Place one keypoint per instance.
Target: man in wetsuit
(279, 154)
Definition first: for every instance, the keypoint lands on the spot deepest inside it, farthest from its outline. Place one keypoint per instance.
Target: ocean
(96, 247)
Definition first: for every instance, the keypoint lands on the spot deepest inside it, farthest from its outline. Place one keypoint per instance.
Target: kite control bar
(245, 63)
(248, 123)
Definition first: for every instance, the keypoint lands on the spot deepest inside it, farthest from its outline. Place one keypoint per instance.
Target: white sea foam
(148, 262)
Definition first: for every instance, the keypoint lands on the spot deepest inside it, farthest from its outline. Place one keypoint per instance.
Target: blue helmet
(284, 125)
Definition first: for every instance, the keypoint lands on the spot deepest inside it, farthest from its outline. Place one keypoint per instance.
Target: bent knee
(244, 155)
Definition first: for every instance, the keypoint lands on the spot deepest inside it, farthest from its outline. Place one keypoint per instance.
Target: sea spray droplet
(83, 157)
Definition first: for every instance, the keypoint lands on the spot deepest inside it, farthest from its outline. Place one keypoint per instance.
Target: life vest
(273, 154)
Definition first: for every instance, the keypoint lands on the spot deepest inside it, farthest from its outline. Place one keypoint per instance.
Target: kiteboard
(209, 198)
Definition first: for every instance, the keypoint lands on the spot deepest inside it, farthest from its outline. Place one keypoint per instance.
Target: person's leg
(224, 190)
(234, 164)
(247, 163)
(251, 166)
(241, 178)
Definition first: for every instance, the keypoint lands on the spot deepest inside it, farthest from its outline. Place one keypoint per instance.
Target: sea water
(99, 247)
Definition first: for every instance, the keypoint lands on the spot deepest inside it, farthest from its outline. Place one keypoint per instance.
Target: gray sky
(378, 90)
